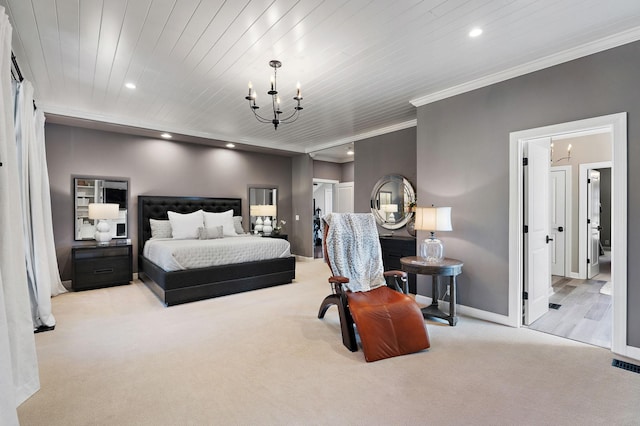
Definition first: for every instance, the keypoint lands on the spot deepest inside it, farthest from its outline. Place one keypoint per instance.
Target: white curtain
(18, 363)
(40, 255)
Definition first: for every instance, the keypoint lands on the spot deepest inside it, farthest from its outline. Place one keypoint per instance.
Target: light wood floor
(584, 313)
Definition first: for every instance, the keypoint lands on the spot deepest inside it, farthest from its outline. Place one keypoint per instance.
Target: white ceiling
(363, 64)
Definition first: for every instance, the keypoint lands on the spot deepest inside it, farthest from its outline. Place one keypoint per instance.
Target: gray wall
(393, 153)
(462, 152)
(342, 172)
(347, 172)
(327, 170)
(302, 199)
(154, 167)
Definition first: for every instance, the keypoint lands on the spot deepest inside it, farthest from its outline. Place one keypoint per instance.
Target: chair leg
(346, 323)
(332, 299)
(346, 320)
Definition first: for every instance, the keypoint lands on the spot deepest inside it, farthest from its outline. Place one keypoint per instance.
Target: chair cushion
(389, 323)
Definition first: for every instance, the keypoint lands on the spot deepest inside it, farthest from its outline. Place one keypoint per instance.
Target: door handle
(599, 228)
(549, 239)
(560, 229)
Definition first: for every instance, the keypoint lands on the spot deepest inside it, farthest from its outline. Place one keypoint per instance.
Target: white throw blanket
(353, 249)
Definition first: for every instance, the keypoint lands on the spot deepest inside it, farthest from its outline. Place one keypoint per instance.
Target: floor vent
(626, 365)
(554, 306)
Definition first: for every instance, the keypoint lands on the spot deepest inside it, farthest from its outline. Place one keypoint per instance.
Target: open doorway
(323, 196)
(580, 301)
(519, 281)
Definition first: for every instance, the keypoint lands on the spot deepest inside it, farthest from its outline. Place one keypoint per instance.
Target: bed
(182, 286)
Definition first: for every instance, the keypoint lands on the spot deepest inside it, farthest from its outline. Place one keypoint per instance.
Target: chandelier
(275, 101)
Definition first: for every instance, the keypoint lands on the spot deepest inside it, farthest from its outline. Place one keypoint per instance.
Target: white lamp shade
(270, 210)
(104, 211)
(389, 208)
(433, 218)
(262, 210)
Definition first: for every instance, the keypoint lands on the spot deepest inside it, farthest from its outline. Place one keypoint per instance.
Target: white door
(328, 200)
(593, 224)
(557, 226)
(344, 197)
(537, 266)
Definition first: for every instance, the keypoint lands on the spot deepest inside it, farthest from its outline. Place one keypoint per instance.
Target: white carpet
(118, 357)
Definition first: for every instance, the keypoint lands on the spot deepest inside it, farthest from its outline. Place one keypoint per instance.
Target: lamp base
(267, 228)
(103, 233)
(432, 250)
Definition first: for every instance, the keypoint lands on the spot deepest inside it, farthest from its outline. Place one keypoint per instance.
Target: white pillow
(210, 233)
(160, 228)
(185, 226)
(225, 219)
(237, 223)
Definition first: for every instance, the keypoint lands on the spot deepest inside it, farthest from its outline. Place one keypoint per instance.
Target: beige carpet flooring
(118, 357)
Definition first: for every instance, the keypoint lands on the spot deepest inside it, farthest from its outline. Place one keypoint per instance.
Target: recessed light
(350, 151)
(166, 135)
(230, 145)
(475, 32)
(130, 86)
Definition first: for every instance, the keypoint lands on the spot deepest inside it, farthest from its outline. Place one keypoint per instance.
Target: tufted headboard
(156, 207)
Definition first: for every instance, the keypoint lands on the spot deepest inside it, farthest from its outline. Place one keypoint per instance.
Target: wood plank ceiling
(360, 62)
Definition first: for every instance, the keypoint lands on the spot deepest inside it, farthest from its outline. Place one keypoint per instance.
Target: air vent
(626, 365)
(554, 306)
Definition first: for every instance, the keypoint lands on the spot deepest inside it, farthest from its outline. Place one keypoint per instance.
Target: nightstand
(281, 236)
(394, 248)
(99, 266)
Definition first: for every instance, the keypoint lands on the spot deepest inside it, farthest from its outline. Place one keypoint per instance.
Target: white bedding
(175, 255)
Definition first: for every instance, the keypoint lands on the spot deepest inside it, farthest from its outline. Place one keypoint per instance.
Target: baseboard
(630, 352)
(468, 311)
(303, 258)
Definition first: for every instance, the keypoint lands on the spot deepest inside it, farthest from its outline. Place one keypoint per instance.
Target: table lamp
(433, 219)
(269, 211)
(256, 210)
(390, 211)
(103, 212)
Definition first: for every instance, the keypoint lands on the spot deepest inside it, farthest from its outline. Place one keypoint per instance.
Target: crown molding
(600, 45)
(366, 135)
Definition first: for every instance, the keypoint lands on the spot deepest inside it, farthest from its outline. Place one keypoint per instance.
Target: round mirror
(392, 200)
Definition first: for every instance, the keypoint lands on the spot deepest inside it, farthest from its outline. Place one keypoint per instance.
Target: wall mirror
(91, 189)
(391, 201)
(263, 208)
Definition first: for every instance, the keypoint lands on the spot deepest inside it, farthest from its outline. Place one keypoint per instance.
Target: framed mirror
(92, 189)
(391, 201)
(263, 208)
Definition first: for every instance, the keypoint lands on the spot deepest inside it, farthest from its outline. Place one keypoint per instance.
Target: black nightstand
(394, 248)
(281, 236)
(98, 266)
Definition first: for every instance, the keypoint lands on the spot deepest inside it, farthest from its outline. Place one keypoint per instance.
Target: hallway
(581, 310)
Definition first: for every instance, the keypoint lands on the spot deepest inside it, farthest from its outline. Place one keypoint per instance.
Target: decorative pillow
(160, 228)
(225, 219)
(237, 224)
(210, 233)
(185, 226)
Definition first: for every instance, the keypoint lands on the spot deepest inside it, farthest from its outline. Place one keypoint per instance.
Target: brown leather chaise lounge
(388, 322)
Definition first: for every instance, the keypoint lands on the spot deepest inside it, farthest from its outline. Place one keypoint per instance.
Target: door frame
(582, 213)
(617, 125)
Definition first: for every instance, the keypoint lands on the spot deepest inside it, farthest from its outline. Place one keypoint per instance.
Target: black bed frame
(203, 283)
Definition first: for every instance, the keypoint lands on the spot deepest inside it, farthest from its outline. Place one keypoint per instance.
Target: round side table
(446, 268)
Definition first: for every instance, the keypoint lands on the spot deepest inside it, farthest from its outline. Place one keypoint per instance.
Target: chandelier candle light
(433, 219)
(275, 100)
